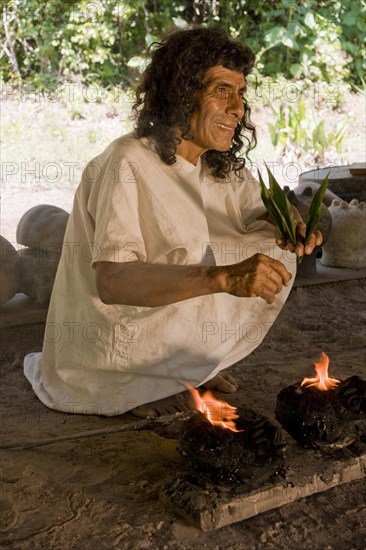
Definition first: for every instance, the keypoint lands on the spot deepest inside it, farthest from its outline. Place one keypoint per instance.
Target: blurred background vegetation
(103, 40)
(67, 70)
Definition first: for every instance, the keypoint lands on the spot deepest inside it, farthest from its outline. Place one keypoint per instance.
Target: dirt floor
(103, 492)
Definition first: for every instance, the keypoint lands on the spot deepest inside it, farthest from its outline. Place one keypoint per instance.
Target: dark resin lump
(226, 455)
(318, 418)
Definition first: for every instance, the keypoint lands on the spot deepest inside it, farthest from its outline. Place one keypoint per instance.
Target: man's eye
(223, 91)
(226, 93)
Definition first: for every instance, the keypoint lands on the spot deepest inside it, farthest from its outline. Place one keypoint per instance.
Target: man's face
(220, 109)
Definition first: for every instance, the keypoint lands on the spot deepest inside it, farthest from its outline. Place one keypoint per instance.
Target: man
(170, 272)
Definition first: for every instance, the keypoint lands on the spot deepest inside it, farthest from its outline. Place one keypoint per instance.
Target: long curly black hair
(169, 84)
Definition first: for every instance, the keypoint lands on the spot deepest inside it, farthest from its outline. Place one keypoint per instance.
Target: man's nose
(235, 106)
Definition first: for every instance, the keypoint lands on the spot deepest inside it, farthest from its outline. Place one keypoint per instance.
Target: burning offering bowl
(233, 455)
(322, 412)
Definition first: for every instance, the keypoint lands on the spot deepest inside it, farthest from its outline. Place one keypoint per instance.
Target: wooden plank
(357, 168)
(210, 507)
(325, 274)
(21, 310)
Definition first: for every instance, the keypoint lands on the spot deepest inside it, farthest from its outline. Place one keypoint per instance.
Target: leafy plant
(298, 127)
(278, 206)
(94, 41)
(281, 212)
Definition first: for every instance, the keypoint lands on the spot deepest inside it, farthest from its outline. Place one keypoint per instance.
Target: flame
(321, 381)
(217, 412)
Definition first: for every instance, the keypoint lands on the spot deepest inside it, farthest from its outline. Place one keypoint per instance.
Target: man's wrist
(217, 277)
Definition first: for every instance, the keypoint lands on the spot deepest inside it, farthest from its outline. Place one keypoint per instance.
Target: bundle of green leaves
(281, 211)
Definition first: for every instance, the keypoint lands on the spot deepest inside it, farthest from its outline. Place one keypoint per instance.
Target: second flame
(322, 380)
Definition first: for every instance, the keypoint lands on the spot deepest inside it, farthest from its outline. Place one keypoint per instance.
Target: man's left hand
(315, 239)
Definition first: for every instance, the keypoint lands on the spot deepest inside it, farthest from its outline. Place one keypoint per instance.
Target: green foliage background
(104, 41)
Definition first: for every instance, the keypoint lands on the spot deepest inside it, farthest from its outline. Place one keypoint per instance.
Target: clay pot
(9, 271)
(346, 246)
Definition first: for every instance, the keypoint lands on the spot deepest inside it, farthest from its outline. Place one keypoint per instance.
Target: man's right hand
(152, 285)
(259, 275)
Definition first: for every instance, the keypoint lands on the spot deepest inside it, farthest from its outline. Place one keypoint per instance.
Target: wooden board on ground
(22, 310)
(326, 274)
(209, 506)
(357, 168)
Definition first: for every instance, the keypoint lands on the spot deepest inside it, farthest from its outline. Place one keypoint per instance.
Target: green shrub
(94, 40)
(299, 132)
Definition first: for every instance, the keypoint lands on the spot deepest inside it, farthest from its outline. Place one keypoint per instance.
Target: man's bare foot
(222, 382)
(182, 402)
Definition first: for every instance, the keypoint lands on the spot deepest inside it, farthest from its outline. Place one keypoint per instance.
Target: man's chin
(222, 148)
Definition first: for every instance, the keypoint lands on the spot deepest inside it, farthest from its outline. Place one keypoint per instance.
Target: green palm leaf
(271, 209)
(282, 205)
(315, 208)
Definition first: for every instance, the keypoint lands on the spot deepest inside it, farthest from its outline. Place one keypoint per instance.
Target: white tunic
(107, 359)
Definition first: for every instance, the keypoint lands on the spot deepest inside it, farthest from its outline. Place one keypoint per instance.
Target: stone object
(9, 271)
(328, 197)
(341, 181)
(37, 273)
(346, 246)
(42, 226)
(41, 229)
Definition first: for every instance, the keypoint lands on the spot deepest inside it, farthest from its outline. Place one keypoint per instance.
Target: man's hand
(315, 239)
(152, 285)
(259, 276)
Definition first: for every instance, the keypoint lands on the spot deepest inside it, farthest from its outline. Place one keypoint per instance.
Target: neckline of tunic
(180, 164)
(187, 166)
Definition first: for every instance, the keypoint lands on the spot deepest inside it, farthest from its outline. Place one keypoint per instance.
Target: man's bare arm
(153, 285)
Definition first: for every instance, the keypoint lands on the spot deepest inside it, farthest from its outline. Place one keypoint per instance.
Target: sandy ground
(103, 492)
